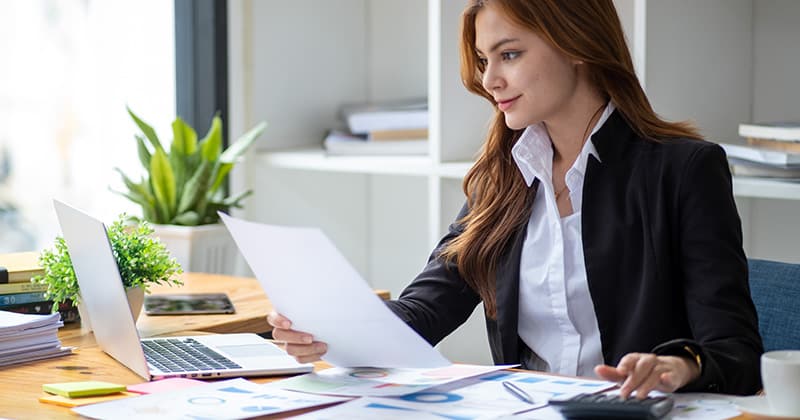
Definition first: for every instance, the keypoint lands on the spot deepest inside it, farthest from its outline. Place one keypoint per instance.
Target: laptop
(214, 356)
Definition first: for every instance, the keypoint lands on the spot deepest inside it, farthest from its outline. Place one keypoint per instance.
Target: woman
(601, 239)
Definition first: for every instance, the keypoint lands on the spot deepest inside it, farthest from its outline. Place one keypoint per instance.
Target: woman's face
(530, 80)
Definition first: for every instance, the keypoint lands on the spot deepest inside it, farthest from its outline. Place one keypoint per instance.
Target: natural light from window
(69, 68)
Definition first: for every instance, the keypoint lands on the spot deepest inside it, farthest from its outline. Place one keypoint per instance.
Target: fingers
(278, 321)
(292, 336)
(669, 382)
(609, 373)
(643, 373)
(650, 382)
(300, 345)
(307, 353)
(640, 367)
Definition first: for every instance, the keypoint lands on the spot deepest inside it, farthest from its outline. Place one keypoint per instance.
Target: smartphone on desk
(188, 304)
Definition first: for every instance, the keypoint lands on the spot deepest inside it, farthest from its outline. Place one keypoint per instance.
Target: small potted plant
(184, 187)
(142, 261)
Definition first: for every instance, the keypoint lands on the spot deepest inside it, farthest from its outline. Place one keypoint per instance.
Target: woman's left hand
(645, 372)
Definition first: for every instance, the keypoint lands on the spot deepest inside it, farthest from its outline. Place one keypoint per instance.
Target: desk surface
(21, 386)
(252, 307)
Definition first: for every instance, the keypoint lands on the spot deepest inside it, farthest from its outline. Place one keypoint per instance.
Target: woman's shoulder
(681, 148)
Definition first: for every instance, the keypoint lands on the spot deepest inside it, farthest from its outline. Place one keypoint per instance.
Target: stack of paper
(26, 337)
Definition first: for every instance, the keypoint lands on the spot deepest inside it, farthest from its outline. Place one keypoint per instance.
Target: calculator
(603, 406)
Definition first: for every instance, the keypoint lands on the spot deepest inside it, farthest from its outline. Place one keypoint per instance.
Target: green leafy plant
(142, 261)
(185, 186)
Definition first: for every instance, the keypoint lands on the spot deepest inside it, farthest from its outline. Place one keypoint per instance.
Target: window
(69, 69)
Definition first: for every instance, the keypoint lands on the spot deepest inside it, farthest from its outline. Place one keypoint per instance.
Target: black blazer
(662, 245)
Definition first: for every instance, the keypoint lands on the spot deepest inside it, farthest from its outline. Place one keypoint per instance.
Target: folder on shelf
(755, 154)
(339, 143)
(396, 115)
(778, 130)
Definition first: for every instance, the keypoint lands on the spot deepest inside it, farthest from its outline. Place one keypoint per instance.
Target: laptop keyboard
(184, 355)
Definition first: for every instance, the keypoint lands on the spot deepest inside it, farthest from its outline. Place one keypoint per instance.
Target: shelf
(317, 160)
(765, 188)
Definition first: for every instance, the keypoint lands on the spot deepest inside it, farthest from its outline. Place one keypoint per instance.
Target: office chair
(775, 288)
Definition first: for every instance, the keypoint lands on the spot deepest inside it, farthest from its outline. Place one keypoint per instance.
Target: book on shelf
(411, 114)
(19, 298)
(740, 167)
(21, 287)
(339, 143)
(19, 267)
(756, 154)
(397, 135)
(778, 145)
(778, 130)
(69, 312)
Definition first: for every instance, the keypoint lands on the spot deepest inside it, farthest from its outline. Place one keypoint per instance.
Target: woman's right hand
(299, 344)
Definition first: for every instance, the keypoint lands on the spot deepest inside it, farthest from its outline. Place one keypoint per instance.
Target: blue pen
(517, 392)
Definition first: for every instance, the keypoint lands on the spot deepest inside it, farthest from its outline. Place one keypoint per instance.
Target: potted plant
(184, 188)
(142, 261)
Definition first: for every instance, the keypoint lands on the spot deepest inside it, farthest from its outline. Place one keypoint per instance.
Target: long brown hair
(499, 201)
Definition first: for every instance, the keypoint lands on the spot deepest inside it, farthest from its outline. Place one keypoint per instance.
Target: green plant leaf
(146, 129)
(140, 189)
(195, 189)
(184, 139)
(142, 261)
(243, 143)
(189, 218)
(235, 201)
(221, 171)
(162, 180)
(179, 171)
(211, 145)
(144, 153)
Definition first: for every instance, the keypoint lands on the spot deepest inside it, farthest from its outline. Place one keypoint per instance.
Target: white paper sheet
(310, 282)
(367, 408)
(231, 399)
(380, 381)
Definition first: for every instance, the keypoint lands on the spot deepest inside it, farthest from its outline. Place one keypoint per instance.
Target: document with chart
(311, 283)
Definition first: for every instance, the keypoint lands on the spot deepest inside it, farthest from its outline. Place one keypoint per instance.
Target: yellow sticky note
(75, 402)
(83, 389)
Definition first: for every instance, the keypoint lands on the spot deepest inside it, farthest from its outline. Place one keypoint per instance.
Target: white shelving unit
(718, 62)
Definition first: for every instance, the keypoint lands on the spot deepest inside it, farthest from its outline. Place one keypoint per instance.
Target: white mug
(780, 372)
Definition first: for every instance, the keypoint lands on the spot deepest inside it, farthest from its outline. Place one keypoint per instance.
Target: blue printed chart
(231, 399)
(474, 398)
(550, 384)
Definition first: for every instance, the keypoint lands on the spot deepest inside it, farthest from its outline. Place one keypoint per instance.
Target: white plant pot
(200, 249)
(135, 302)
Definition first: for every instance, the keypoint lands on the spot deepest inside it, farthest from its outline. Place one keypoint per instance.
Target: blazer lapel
(507, 294)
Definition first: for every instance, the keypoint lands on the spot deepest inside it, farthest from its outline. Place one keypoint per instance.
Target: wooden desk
(252, 307)
(21, 386)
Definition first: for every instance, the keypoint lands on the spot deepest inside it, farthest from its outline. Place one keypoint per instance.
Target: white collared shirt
(556, 313)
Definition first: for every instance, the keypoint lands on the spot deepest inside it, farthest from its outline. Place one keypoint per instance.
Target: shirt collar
(533, 151)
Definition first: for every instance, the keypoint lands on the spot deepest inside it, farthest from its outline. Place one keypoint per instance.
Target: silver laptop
(210, 356)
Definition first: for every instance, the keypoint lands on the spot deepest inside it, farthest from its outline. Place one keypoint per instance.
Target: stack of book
(388, 128)
(772, 151)
(24, 338)
(19, 294)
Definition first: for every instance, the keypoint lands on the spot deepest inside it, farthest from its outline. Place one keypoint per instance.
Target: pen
(517, 392)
